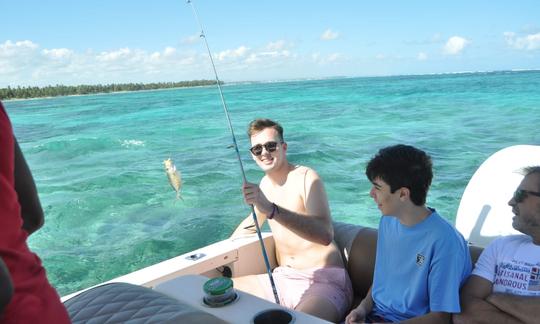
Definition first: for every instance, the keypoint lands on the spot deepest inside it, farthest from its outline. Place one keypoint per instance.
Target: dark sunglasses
(269, 146)
(520, 195)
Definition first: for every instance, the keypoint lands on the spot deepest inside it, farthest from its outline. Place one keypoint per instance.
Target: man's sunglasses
(269, 146)
(520, 195)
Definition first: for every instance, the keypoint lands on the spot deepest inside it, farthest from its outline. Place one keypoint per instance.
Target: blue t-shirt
(418, 269)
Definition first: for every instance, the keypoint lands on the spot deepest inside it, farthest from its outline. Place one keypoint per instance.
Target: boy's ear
(404, 193)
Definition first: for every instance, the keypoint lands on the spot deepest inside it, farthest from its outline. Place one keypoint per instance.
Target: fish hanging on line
(174, 177)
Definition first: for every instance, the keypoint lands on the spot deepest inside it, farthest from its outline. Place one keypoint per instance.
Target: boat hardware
(195, 256)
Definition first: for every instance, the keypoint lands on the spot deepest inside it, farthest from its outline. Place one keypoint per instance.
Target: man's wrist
(274, 212)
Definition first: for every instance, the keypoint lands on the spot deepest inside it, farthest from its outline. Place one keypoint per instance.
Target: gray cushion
(127, 303)
(344, 235)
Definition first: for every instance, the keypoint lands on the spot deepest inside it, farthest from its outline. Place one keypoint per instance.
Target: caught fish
(174, 176)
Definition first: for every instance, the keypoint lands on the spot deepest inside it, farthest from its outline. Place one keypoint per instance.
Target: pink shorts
(293, 286)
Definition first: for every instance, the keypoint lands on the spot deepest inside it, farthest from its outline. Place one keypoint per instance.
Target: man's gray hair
(531, 170)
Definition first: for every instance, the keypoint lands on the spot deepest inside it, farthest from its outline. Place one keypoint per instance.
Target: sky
(75, 42)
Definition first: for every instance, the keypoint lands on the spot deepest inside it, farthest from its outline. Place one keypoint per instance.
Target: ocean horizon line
(245, 82)
(377, 76)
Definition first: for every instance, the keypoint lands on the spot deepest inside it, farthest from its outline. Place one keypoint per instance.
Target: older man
(505, 284)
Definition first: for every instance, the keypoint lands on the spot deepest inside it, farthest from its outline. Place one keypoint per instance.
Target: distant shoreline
(23, 93)
(132, 87)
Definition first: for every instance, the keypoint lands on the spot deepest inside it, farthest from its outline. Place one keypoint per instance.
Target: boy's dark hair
(260, 124)
(403, 166)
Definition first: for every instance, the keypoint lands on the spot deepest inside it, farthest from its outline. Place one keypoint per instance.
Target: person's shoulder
(301, 169)
(386, 222)
(509, 239)
(518, 238)
(264, 181)
(305, 172)
(448, 233)
(442, 223)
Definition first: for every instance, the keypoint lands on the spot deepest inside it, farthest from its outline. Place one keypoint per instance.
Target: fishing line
(203, 36)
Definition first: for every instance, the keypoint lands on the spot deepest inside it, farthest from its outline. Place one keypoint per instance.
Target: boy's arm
(358, 314)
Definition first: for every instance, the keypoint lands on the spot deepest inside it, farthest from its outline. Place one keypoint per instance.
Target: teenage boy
(421, 259)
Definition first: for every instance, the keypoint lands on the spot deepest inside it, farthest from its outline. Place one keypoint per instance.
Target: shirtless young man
(310, 276)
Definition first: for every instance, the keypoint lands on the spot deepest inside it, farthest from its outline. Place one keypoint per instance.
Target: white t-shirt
(512, 264)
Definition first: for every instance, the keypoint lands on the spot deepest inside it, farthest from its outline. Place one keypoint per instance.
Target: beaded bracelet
(274, 208)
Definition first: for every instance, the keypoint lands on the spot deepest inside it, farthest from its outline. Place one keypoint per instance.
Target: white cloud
(269, 57)
(191, 39)
(26, 63)
(528, 42)
(9, 45)
(169, 51)
(421, 56)
(455, 45)
(9, 48)
(15, 57)
(58, 53)
(120, 54)
(326, 59)
(329, 35)
(240, 52)
(155, 56)
(277, 45)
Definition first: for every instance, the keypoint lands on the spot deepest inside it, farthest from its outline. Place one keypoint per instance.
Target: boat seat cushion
(127, 303)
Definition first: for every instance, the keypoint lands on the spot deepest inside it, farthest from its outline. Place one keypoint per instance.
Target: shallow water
(98, 159)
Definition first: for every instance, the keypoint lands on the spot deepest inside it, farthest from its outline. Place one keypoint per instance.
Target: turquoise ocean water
(98, 159)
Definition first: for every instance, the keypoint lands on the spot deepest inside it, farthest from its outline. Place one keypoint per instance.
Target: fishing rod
(265, 256)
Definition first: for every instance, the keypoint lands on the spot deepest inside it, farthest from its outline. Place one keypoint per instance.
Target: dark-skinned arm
(475, 307)
(6, 286)
(31, 211)
(430, 318)
(524, 308)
